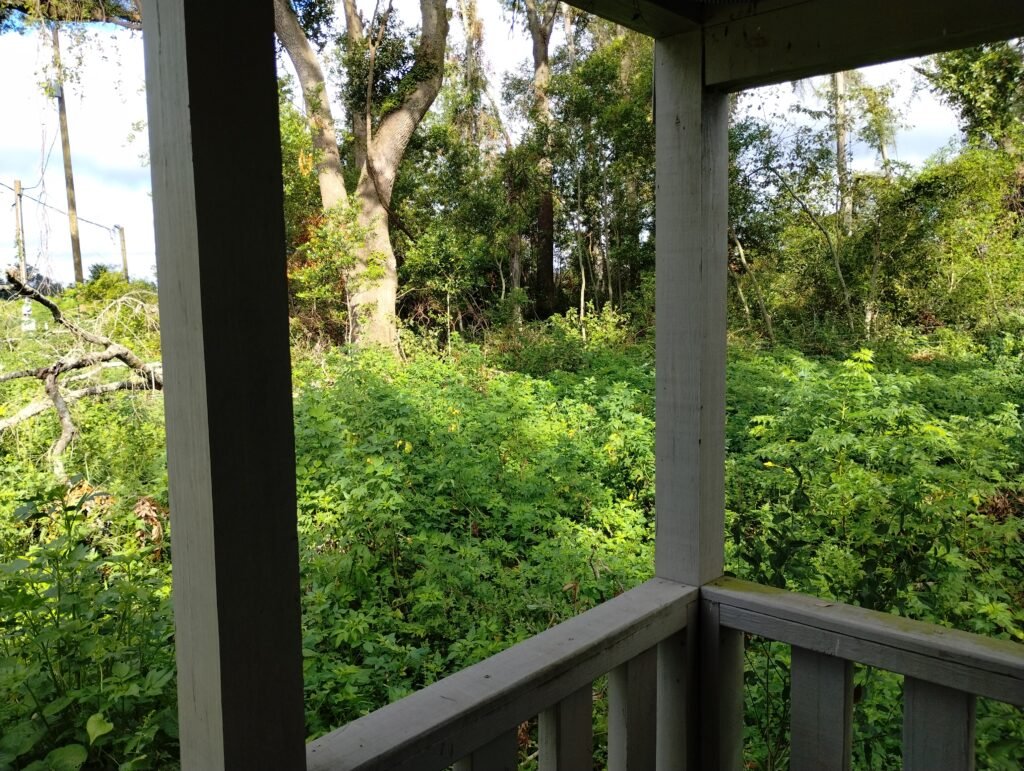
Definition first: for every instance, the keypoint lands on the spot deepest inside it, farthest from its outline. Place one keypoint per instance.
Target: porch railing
(944, 670)
(470, 719)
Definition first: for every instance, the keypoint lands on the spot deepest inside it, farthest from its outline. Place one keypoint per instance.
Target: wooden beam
(692, 168)
(821, 712)
(675, 698)
(632, 721)
(968, 662)
(718, 740)
(499, 754)
(448, 720)
(217, 198)
(938, 727)
(657, 18)
(779, 40)
(565, 732)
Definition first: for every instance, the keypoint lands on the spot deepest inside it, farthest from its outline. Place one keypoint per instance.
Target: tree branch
(116, 350)
(318, 106)
(67, 427)
(37, 408)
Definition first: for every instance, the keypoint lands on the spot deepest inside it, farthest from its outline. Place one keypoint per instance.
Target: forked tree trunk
(373, 281)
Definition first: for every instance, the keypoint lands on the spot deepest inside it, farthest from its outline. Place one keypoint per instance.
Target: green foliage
(983, 84)
(86, 664)
(395, 71)
(317, 274)
(448, 510)
(893, 485)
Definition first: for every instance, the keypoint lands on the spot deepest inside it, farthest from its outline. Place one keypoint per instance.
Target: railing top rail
(436, 726)
(968, 662)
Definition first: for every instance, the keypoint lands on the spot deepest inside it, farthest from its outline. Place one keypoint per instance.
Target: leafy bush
(86, 668)
(448, 510)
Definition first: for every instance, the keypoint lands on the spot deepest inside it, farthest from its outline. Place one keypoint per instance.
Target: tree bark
(540, 17)
(318, 106)
(373, 281)
(840, 97)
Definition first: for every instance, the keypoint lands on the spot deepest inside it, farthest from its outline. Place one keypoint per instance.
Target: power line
(60, 211)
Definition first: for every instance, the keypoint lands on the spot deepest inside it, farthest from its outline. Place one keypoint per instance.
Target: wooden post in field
(124, 251)
(65, 143)
(19, 232)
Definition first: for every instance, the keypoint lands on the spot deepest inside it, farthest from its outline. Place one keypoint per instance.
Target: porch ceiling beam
(780, 40)
(657, 18)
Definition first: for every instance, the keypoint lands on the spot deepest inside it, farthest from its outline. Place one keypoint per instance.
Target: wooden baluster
(499, 754)
(566, 733)
(938, 727)
(675, 697)
(632, 704)
(719, 743)
(821, 712)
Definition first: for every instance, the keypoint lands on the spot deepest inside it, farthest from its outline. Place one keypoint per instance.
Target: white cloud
(111, 184)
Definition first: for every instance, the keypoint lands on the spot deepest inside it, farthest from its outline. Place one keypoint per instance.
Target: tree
(540, 21)
(985, 85)
(384, 113)
(144, 376)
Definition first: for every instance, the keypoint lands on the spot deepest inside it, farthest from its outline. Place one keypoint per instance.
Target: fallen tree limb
(116, 350)
(148, 377)
(37, 408)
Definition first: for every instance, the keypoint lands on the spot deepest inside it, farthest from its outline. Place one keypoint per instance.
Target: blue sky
(112, 184)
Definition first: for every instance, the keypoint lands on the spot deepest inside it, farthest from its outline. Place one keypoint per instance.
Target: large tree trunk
(842, 126)
(540, 17)
(373, 281)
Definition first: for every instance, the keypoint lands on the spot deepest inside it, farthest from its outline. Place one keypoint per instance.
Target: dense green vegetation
(496, 475)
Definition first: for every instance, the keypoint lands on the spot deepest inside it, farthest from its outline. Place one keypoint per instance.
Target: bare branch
(67, 427)
(37, 408)
(116, 350)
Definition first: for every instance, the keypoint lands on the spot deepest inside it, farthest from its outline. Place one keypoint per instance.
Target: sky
(112, 182)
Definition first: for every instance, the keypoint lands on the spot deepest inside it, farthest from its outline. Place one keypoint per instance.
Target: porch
(673, 647)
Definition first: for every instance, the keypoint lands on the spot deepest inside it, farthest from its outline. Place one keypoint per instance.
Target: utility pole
(124, 251)
(65, 141)
(28, 324)
(19, 231)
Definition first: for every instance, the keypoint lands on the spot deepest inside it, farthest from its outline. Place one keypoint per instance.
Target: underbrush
(452, 505)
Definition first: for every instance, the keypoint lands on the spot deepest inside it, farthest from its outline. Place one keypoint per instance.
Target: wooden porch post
(692, 161)
(217, 197)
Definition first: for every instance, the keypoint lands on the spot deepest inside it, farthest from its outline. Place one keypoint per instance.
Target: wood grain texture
(675, 697)
(821, 712)
(499, 754)
(632, 705)
(718, 740)
(692, 158)
(968, 662)
(566, 733)
(448, 720)
(938, 727)
(217, 199)
(773, 41)
(657, 18)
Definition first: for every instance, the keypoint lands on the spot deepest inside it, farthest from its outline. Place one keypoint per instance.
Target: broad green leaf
(96, 726)
(70, 757)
